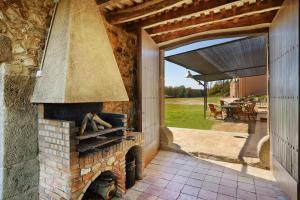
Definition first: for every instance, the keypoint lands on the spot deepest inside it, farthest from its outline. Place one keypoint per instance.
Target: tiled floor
(176, 176)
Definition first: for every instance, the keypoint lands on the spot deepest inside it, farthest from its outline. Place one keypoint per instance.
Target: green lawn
(186, 116)
(200, 99)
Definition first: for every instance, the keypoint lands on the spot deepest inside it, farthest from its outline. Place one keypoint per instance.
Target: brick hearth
(66, 174)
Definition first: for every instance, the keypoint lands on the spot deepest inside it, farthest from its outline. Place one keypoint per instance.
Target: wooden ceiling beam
(209, 36)
(258, 7)
(140, 10)
(99, 2)
(196, 7)
(251, 20)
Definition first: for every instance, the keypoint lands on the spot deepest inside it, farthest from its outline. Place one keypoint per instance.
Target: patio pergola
(239, 58)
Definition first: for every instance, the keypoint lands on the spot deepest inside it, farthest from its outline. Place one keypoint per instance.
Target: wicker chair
(239, 112)
(214, 112)
(250, 110)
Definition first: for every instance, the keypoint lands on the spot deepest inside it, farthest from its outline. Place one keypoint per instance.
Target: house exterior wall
(150, 95)
(284, 96)
(249, 86)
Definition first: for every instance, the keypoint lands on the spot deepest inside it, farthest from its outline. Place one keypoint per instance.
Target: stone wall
(125, 49)
(23, 27)
(23, 30)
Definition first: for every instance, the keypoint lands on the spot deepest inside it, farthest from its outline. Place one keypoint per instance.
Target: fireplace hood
(79, 65)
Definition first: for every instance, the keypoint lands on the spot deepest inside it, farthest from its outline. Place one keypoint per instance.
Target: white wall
(284, 96)
(150, 95)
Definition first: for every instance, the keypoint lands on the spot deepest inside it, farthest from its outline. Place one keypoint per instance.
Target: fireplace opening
(133, 163)
(97, 130)
(102, 188)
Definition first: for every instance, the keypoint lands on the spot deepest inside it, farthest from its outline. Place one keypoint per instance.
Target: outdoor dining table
(229, 111)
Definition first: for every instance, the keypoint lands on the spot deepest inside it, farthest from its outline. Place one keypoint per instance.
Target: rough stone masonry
(23, 30)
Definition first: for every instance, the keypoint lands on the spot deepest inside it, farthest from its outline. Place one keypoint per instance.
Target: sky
(175, 74)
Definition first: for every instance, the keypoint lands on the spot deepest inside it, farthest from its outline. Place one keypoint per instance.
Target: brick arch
(98, 173)
(139, 156)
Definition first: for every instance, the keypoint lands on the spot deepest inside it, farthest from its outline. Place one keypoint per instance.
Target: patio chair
(250, 110)
(239, 112)
(222, 102)
(214, 112)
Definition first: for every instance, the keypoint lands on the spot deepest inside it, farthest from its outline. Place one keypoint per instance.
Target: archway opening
(133, 164)
(103, 187)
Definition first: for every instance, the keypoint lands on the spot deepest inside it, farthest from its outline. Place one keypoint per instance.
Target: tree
(182, 91)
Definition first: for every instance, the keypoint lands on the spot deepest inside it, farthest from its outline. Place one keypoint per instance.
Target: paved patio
(173, 176)
(236, 141)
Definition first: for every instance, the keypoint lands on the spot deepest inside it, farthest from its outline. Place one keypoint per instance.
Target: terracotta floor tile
(146, 196)
(185, 173)
(174, 186)
(225, 197)
(171, 171)
(190, 190)
(213, 187)
(246, 187)
(207, 195)
(140, 186)
(228, 182)
(245, 179)
(187, 168)
(149, 179)
(265, 191)
(214, 173)
(171, 175)
(186, 197)
(244, 195)
(161, 182)
(168, 195)
(198, 176)
(179, 179)
(200, 170)
(230, 171)
(180, 161)
(217, 168)
(212, 179)
(233, 177)
(166, 176)
(194, 182)
(132, 195)
(153, 190)
(259, 197)
(229, 191)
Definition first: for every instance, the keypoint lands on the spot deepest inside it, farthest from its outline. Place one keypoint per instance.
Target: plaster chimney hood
(79, 64)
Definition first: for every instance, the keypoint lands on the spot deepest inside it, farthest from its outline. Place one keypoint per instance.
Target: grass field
(186, 116)
(187, 100)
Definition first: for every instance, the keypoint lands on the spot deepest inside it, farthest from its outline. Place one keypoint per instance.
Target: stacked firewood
(96, 123)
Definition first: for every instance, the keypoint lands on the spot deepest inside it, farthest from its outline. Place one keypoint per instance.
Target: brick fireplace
(66, 173)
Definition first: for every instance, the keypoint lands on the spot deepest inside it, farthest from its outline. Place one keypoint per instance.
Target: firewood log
(87, 118)
(97, 119)
(94, 125)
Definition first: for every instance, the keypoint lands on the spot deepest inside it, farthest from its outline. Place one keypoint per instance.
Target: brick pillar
(55, 145)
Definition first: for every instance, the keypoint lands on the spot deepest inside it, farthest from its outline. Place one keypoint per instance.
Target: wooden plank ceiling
(174, 22)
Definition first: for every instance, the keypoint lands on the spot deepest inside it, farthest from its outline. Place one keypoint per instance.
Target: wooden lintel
(262, 18)
(238, 33)
(254, 8)
(140, 10)
(196, 7)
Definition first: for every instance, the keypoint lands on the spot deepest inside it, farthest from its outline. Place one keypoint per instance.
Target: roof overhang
(239, 58)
